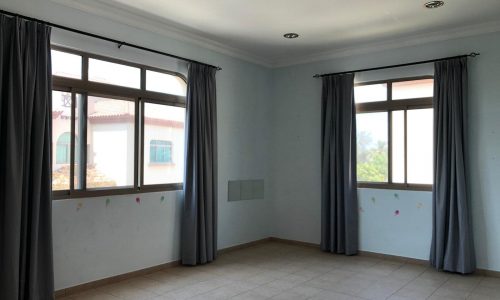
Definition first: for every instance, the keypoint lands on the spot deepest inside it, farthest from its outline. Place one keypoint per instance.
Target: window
(106, 119)
(63, 148)
(160, 152)
(66, 64)
(395, 133)
(165, 147)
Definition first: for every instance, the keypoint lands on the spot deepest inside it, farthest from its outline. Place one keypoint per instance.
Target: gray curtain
(25, 181)
(199, 219)
(339, 203)
(452, 243)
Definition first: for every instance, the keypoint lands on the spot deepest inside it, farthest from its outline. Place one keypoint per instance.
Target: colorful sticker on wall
(420, 205)
(107, 202)
(79, 206)
(138, 200)
(396, 196)
(396, 212)
(374, 200)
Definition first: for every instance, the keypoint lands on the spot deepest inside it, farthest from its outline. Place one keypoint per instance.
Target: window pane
(413, 89)
(78, 134)
(112, 73)
(398, 146)
(110, 142)
(420, 145)
(372, 140)
(163, 143)
(165, 83)
(370, 93)
(66, 64)
(61, 137)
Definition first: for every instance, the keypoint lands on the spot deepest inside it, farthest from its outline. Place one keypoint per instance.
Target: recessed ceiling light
(291, 35)
(434, 4)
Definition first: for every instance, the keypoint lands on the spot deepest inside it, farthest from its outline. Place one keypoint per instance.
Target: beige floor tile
(280, 271)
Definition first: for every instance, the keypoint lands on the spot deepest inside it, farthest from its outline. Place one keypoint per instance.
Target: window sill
(395, 186)
(92, 193)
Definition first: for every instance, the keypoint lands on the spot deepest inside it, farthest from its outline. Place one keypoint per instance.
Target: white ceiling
(255, 28)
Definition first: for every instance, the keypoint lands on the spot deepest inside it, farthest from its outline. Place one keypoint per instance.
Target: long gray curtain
(339, 203)
(25, 181)
(452, 243)
(199, 219)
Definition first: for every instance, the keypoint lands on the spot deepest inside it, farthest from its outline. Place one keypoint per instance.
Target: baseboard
(488, 273)
(383, 256)
(244, 245)
(394, 258)
(113, 279)
(294, 242)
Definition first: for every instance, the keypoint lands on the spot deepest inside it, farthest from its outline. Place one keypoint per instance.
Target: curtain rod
(472, 54)
(120, 43)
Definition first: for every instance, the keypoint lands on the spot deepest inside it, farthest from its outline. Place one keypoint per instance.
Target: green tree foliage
(372, 159)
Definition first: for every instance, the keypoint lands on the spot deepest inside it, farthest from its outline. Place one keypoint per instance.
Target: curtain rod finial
(120, 45)
(474, 54)
(317, 76)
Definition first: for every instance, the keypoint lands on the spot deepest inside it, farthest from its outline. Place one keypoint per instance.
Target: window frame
(86, 88)
(389, 106)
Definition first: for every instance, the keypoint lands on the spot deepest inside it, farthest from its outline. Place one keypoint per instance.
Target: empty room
(220, 149)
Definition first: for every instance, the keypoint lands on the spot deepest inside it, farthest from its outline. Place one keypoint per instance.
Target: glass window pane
(112, 73)
(420, 145)
(163, 143)
(66, 64)
(370, 93)
(78, 134)
(165, 83)
(61, 137)
(412, 89)
(372, 147)
(398, 146)
(110, 142)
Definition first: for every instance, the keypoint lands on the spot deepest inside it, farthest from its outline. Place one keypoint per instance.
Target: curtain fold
(452, 242)
(25, 160)
(339, 204)
(199, 218)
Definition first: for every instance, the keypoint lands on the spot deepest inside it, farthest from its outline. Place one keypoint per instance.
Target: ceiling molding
(149, 22)
(154, 24)
(365, 48)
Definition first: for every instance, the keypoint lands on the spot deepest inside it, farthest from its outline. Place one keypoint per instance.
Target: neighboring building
(111, 122)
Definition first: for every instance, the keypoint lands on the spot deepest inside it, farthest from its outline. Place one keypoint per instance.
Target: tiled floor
(280, 271)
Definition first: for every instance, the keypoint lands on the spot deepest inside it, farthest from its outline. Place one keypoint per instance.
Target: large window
(394, 124)
(118, 127)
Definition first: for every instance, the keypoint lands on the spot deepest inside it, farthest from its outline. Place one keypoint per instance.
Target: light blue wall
(94, 241)
(269, 125)
(296, 149)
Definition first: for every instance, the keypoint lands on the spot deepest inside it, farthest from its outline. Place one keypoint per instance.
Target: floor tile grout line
(419, 274)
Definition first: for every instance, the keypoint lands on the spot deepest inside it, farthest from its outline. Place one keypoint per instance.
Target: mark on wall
(374, 200)
(420, 205)
(162, 198)
(79, 206)
(107, 202)
(138, 200)
(396, 195)
(361, 210)
(396, 212)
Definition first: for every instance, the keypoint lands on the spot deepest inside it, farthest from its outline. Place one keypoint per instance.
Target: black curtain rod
(119, 43)
(472, 54)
